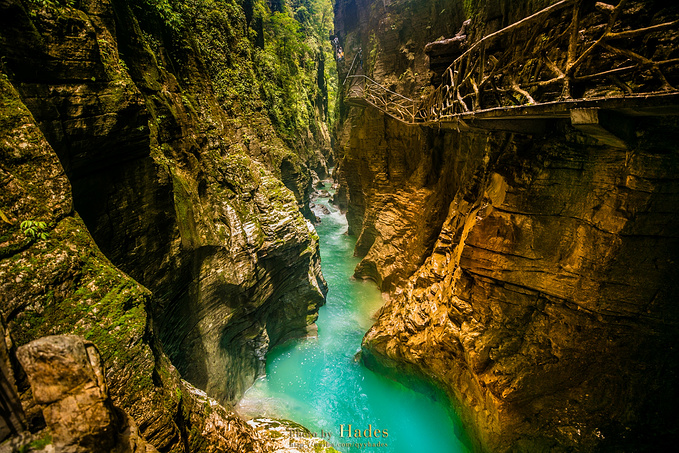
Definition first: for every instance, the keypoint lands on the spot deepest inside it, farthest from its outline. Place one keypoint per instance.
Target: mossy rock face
(64, 285)
(37, 189)
(177, 192)
(174, 131)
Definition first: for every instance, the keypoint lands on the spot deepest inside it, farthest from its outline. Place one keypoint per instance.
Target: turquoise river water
(318, 383)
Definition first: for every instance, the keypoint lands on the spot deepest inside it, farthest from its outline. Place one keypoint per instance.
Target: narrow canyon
(509, 173)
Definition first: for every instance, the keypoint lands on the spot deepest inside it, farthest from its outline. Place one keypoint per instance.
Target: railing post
(572, 50)
(457, 70)
(482, 60)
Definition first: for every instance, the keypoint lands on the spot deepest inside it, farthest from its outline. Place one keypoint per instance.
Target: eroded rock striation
(163, 134)
(63, 284)
(545, 306)
(530, 276)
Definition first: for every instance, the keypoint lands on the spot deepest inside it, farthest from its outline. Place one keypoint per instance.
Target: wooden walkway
(574, 55)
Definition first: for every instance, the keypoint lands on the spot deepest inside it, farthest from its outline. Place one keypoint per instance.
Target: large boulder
(67, 379)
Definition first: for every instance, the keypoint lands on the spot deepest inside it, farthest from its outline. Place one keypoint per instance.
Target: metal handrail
(353, 62)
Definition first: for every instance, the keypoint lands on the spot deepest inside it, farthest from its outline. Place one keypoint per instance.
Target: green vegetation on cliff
(258, 59)
(184, 129)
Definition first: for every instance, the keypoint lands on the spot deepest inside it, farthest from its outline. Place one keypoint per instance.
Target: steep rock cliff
(62, 284)
(529, 276)
(545, 307)
(190, 176)
(379, 159)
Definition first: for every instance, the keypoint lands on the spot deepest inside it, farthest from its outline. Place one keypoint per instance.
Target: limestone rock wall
(113, 111)
(531, 277)
(68, 382)
(392, 34)
(378, 159)
(546, 305)
(161, 177)
(62, 284)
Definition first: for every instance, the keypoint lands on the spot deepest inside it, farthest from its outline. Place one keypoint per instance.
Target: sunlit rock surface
(532, 277)
(545, 307)
(67, 380)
